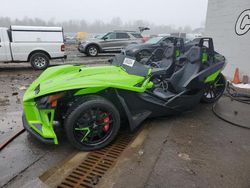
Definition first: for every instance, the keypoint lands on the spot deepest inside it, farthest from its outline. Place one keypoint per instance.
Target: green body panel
(204, 57)
(69, 77)
(177, 53)
(212, 77)
(40, 116)
(89, 90)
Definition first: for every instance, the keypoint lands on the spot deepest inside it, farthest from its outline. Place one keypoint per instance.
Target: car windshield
(154, 40)
(131, 65)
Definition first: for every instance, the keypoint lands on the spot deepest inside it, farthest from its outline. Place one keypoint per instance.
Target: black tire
(215, 90)
(39, 61)
(92, 50)
(84, 114)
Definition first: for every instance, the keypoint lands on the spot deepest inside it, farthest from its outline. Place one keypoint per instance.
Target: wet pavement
(12, 87)
(195, 149)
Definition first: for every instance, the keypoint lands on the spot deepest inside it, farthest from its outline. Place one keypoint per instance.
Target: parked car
(37, 45)
(110, 42)
(145, 50)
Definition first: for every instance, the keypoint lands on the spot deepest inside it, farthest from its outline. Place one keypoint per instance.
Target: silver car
(110, 42)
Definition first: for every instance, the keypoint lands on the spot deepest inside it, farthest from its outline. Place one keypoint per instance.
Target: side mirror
(105, 38)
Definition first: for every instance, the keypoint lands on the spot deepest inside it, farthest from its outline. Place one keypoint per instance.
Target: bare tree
(97, 26)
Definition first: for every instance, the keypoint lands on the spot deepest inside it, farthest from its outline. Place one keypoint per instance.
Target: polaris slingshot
(90, 103)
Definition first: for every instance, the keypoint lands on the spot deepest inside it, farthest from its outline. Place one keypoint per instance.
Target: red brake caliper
(106, 121)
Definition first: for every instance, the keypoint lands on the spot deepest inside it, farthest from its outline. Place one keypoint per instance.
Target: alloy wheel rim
(93, 127)
(40, 62)
(92, 51)
(215, 89)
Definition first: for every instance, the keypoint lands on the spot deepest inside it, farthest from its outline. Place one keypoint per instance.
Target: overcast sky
(175, 12)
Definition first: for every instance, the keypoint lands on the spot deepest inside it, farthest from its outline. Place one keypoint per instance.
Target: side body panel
(22, 50)
(27, 39)
(40, 120)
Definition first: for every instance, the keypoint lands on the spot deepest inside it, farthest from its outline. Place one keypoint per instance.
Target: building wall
(228, 23)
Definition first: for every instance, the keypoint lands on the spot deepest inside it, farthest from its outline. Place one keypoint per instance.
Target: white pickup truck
(36, 45)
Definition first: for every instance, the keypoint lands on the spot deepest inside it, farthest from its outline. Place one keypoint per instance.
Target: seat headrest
(169, 52)
(194, 54)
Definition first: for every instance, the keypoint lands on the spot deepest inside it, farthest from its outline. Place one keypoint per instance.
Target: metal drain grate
(89, 172)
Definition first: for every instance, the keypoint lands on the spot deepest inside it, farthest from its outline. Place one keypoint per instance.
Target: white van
(36, 45)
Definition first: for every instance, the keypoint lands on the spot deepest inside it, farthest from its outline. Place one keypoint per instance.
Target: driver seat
(166, 66)
(168, 57)
(179, 80)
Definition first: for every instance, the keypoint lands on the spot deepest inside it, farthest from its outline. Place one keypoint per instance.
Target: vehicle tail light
(62, 47)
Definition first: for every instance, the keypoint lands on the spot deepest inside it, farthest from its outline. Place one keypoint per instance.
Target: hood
(136, 47)
(71, 77)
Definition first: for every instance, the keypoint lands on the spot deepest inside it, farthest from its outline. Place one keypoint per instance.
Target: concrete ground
(195, 149)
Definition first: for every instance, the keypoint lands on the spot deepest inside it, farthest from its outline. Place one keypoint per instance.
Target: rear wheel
(39, 61)
(213, 91)
(93, 124)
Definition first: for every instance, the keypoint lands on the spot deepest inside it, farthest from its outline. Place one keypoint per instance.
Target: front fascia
(40, 120)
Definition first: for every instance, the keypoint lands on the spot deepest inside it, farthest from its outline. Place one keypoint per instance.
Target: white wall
(222, 16)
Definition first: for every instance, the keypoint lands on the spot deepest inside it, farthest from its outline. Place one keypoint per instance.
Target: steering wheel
(154, 64)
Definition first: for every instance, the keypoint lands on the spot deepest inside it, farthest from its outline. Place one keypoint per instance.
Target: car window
(168, 40)
(136, 35)
(122, 36)
(154, 40)
(111, 36)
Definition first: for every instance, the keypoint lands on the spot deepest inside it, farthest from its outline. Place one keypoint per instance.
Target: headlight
(49, 101)
(82, 42)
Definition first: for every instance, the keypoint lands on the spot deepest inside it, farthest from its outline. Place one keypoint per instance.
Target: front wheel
(213, 91)
(39, 61)
(92, 51)
(93, 124)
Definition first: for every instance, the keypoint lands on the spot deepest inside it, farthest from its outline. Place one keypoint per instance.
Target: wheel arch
(119, 101)
(38, 51)
(110, 95)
